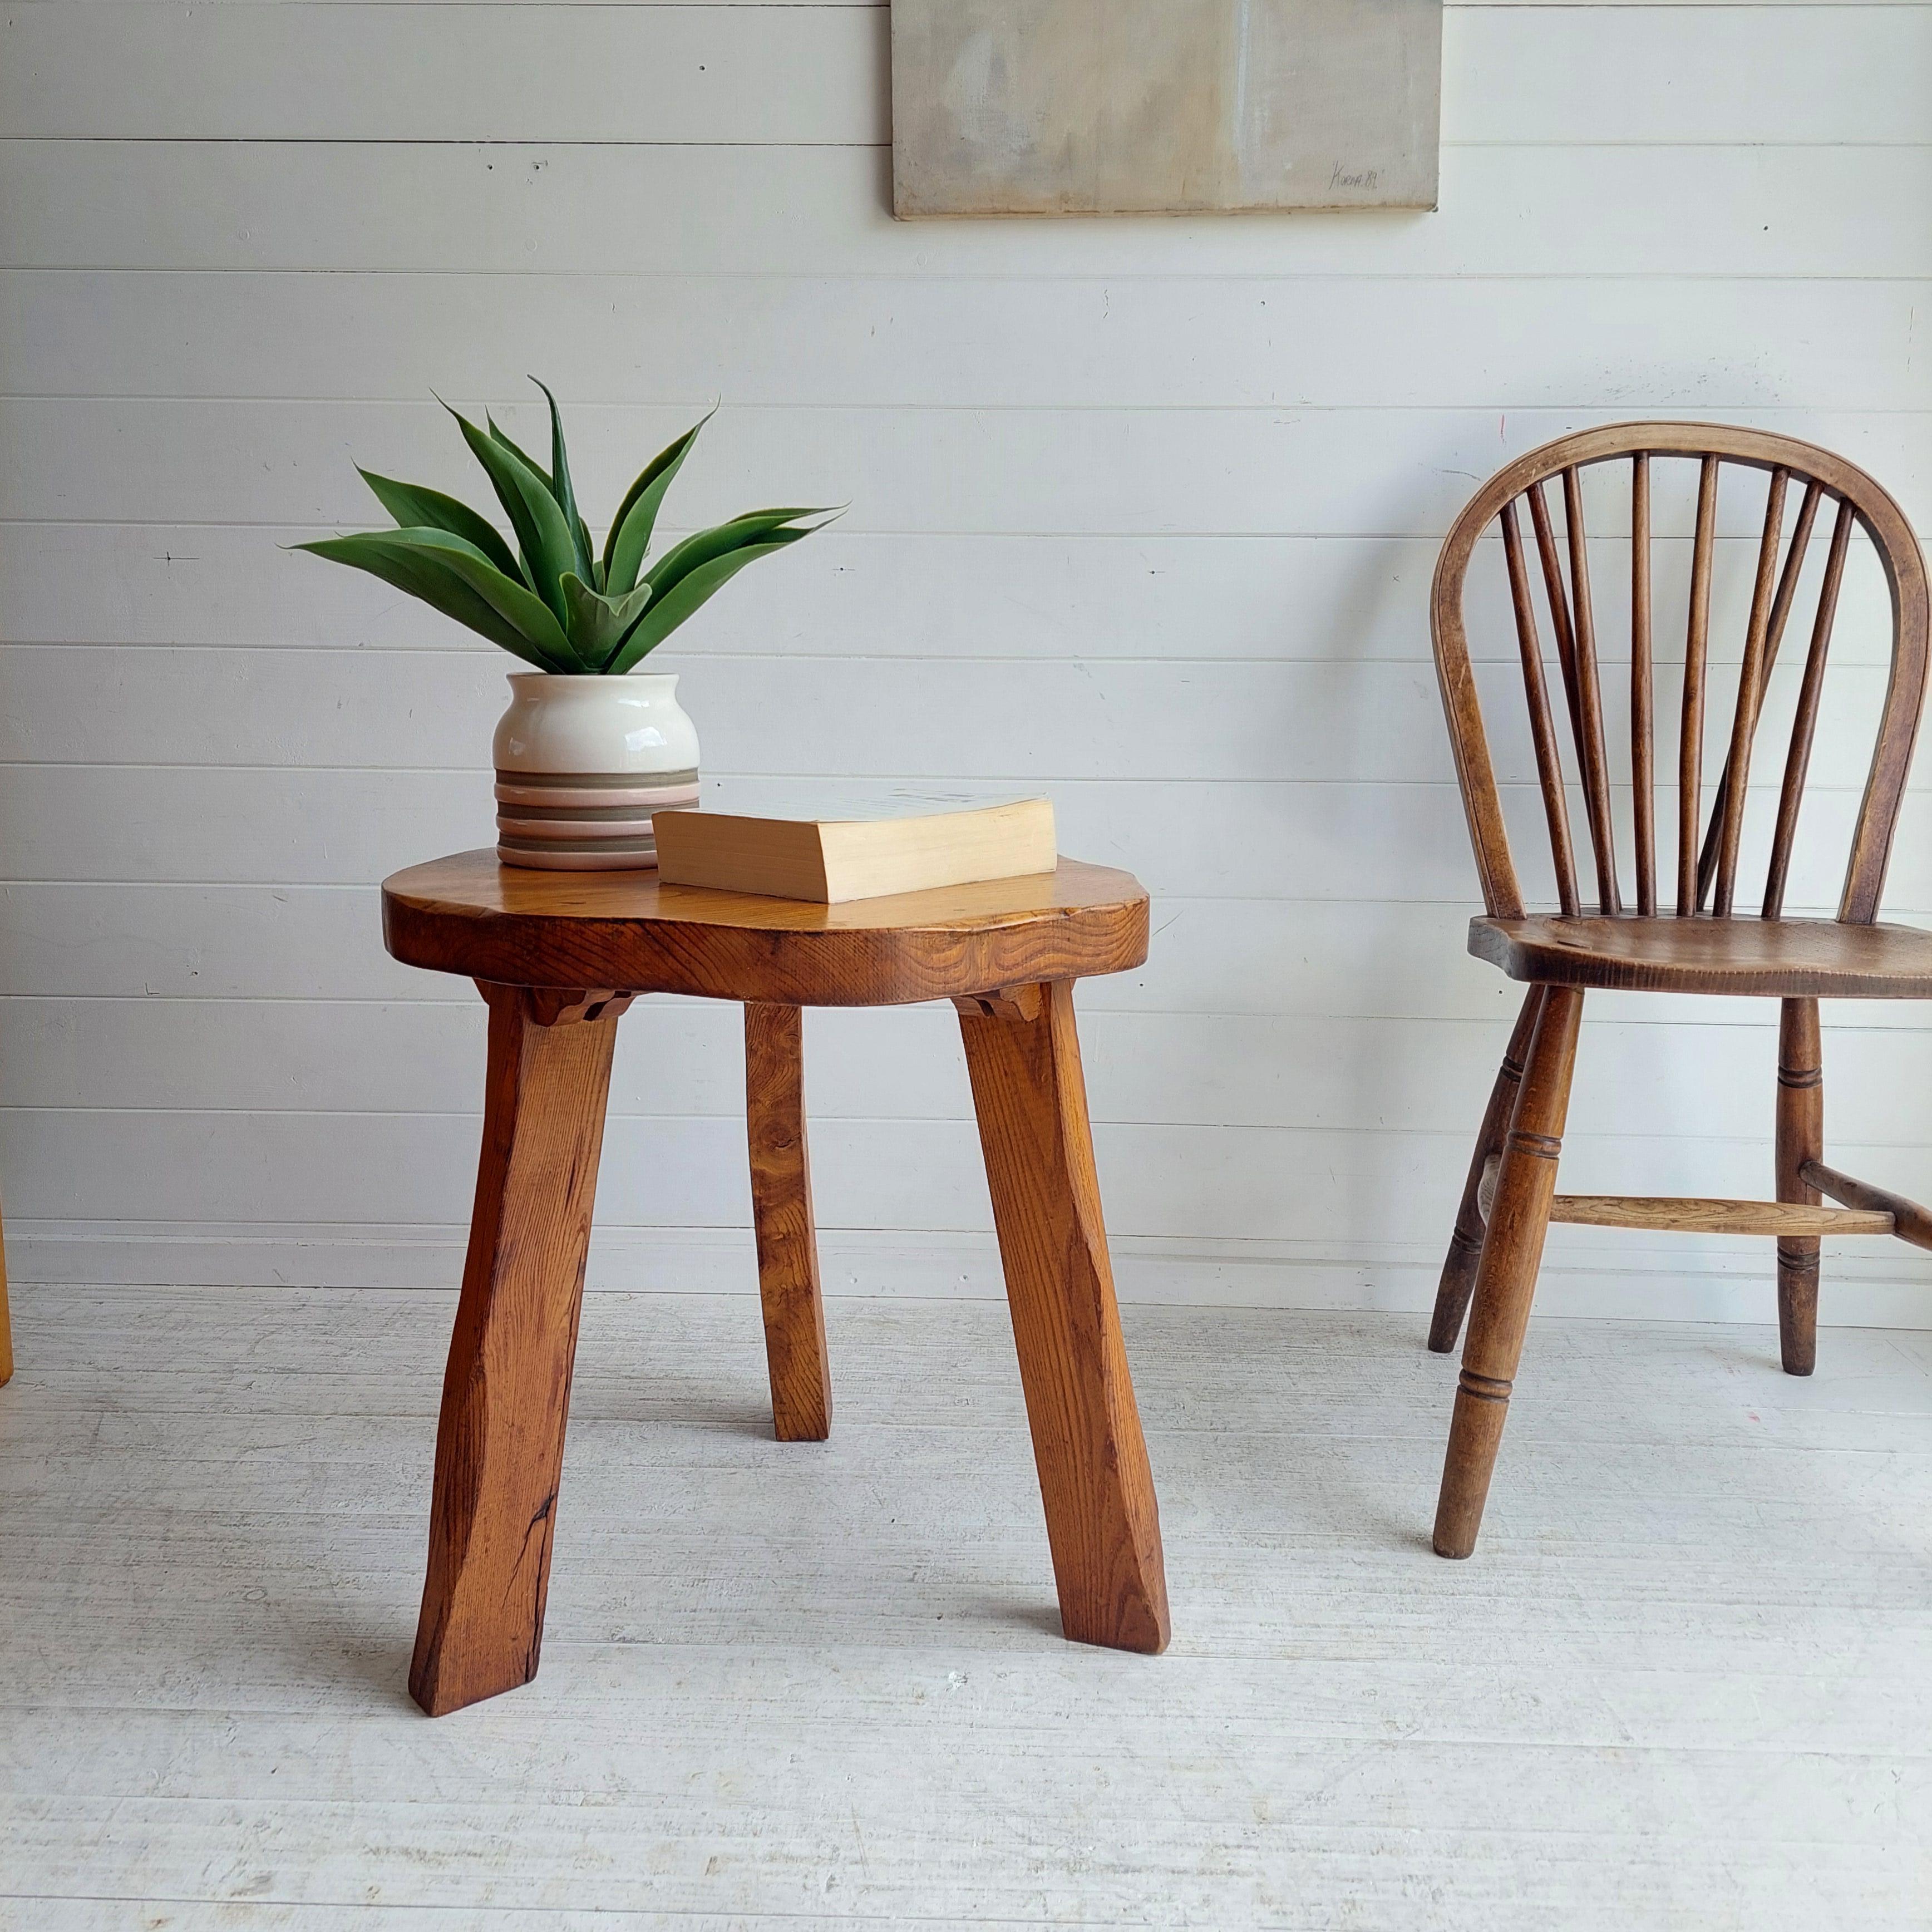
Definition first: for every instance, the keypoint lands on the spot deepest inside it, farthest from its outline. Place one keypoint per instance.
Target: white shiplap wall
(1143, 515)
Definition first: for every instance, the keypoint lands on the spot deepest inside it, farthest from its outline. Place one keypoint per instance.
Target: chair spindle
(1542, 725)
(1591, 752)
(1805, 723)
(1750, 692)
(1690, 738)
(1781, 613)
(1642, 803)
(1787, 583)
(1559, 608)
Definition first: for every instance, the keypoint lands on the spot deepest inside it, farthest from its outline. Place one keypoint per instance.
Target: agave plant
(554, 601)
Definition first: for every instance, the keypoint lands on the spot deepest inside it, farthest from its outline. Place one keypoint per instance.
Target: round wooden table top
(625, 931)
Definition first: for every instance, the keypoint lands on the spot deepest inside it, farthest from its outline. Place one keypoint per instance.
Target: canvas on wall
(1163, 107)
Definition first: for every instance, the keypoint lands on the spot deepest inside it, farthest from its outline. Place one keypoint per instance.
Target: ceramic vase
(581, 764)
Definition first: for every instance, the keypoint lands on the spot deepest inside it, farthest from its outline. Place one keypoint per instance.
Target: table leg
(506, 1394)
(781, 1214)
(1102, 1522)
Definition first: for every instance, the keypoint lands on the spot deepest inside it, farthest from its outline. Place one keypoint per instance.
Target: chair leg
(788, 1286)
(1800, 1137)
(1465, 1244)
(506, 1394)
(1102, 1522)
(1506, 1280)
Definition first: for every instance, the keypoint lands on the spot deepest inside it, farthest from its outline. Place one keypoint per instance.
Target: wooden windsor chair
(1701, 944)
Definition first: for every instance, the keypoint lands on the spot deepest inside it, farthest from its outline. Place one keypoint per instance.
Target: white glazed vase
(581, 764)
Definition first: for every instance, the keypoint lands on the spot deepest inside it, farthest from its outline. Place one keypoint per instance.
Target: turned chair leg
(506, 1394)
(1800, 1137)
(1024, 1057)
(1465, 1244)
(788, 1286)
(1506, 1280)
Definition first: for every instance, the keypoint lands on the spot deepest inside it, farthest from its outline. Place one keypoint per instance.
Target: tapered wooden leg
(1102, 1522)
(1465, 1244)
(1800, 1137)
(1506, 1280)
(506, 1394)
(781, 1214)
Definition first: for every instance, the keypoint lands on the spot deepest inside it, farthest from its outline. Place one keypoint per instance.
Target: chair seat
(1786, 958)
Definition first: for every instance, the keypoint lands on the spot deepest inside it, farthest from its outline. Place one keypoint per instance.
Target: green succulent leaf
(503, 438)
(695, 587)
(524, 493)
(455, 576)
(416, 507)
(754, 526)
(599, 626)
(566, 497)
(637, 516)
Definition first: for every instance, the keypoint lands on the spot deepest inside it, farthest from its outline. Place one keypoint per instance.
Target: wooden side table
(559, 956)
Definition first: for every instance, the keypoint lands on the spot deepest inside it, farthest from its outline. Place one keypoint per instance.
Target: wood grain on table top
(469, 914)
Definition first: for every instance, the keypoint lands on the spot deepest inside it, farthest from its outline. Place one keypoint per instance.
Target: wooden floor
(1687, 1681)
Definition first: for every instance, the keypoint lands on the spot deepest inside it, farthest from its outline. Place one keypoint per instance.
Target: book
(831, 861)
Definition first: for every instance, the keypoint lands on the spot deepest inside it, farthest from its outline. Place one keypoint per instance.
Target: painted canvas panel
(1175, 106)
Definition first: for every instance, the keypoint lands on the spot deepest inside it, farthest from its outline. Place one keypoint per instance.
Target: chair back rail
(1708, 849)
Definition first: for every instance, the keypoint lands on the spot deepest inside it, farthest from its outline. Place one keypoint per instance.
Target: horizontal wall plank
(1452, 5)
(782, 77)
(296, 943)
(1248, 1183)
(1387, 472)
(782, 341)
(1303, 959)
(1685, 73)
(1330, 600)
(686, 1059)
(429, 710)
(882, 3)
(1211, 839)
(781, 716)
(520, 209)
(799, 75)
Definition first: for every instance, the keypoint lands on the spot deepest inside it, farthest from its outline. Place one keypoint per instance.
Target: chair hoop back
(1705, 865)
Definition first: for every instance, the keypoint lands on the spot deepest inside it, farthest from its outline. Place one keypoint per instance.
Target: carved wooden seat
(1702, 943)
(1784, 958)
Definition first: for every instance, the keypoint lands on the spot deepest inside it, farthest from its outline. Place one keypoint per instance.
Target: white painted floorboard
(1687, 1681)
